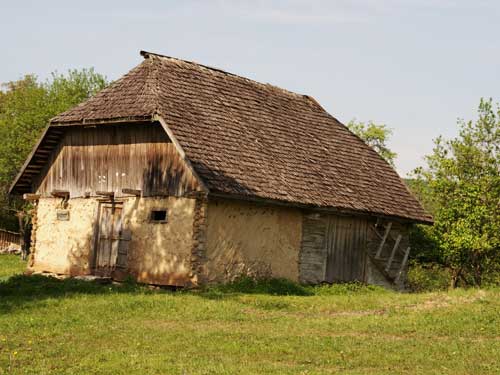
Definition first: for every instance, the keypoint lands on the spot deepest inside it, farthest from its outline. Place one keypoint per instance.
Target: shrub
(278, 287)
(341, 289)
(428, 277)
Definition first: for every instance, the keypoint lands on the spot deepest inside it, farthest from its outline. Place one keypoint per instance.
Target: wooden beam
(135, 192)
(381, 246)
(403, 264)
(28, 160)
(31, 197)
(391, 258)
(110, 194)
(60, 194)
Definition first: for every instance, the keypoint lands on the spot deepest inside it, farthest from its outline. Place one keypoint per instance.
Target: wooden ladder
(386, 268)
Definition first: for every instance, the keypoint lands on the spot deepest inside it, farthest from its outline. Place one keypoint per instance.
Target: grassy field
(10, 265)
(71, 327)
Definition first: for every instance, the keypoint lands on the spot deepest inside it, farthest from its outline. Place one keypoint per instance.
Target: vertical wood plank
(110, 158)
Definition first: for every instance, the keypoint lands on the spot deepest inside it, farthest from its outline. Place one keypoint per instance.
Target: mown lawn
(71, 327)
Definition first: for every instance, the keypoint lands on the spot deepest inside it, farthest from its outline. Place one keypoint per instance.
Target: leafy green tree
(375, 136)
(461, 185)
(26, 106)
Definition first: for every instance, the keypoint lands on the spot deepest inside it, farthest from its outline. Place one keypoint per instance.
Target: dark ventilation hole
(159, 216)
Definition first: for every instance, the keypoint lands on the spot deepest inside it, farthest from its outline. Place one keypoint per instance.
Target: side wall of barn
(343, 248)
(158, 253)
(251, 239)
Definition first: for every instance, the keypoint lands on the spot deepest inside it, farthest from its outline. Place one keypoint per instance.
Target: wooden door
(345, 249)
(108, 238)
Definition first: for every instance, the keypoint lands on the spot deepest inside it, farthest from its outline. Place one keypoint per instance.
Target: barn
(182, 174)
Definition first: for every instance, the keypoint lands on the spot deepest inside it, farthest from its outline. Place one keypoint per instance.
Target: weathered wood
(60, 194)
(393, 252)
(333, 248)
(122, 257)
(29, 159)
(403, 264)
(114, 158)
(135, 192)
(106, 193)
(31, 197)
(7, 238)
(108, 240)
(382, 243)
(180, 151)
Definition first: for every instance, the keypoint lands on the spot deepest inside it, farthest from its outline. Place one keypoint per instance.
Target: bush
(277, 287)
(341, 289)
(284, 287)
(428, 277)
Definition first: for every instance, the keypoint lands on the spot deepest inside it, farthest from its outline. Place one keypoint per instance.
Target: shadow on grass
(274, 287)
(21, 290)
(283, 287)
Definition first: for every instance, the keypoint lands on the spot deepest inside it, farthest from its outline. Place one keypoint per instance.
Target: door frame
(96, 229)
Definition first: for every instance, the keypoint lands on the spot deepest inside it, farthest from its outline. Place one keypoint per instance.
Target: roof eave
(102, 121)
(326, 209)
(61, 124)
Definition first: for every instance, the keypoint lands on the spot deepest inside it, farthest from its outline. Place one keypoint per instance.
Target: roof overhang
(48, 141)
(320, 209)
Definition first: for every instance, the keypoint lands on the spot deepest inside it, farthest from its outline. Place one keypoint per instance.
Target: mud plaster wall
(64, 247)
(250, 239)
(157, 253)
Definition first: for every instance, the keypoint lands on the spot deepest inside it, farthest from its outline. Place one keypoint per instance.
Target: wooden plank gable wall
(115, 157)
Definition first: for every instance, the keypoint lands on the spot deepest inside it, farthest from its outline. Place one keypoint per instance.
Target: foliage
(426, 277)
(375, 136)
(277, 287)
(461, 184)
(425, 245)
(76, 327)
(25, 109)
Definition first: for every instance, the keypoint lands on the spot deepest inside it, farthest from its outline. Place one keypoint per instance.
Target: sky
(414, 65)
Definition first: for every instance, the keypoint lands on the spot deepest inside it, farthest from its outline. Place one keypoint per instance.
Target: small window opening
(159, 216)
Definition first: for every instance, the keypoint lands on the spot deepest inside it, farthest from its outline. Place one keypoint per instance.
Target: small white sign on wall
(62, 215)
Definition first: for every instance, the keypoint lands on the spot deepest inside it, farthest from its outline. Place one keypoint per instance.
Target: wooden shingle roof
(252, 140)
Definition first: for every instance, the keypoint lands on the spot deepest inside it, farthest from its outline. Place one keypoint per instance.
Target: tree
(375, 136)
(462, 188)
(26, 107)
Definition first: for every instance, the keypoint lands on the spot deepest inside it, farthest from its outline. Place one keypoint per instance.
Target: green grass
(10, 265)
(275, 327)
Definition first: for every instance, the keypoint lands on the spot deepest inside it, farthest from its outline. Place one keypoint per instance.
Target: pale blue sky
(415, 65)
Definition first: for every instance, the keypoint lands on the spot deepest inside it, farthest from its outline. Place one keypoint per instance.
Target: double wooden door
(111, 244)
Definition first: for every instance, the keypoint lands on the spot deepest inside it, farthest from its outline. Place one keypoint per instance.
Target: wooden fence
(7, 238)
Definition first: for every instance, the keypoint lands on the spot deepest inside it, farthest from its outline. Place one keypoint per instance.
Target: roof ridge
(152, 84)
(148, 55)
